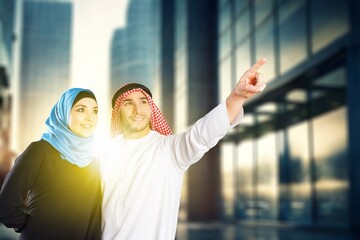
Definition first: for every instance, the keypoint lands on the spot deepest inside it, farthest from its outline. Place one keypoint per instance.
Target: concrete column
(353, 90)
(204, 176)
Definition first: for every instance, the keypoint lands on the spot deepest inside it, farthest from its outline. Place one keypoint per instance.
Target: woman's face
(83, 117)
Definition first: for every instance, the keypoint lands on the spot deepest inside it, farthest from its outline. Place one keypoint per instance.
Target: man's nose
(137, 108)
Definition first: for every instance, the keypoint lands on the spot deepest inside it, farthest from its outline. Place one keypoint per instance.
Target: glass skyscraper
(44, 65)
(7, 20)
(138, 43)
(118, 57)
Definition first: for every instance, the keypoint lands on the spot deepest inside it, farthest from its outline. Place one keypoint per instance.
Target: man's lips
(137, 119)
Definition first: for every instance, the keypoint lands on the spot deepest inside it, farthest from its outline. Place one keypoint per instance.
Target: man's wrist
(235, 100)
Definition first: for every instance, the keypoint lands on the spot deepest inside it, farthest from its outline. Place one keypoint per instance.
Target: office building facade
(294, 158)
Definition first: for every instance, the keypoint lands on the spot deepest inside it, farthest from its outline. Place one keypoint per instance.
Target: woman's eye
(80, 110)
(96, 111)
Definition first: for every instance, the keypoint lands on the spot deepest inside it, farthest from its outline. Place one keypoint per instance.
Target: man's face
(135, 115)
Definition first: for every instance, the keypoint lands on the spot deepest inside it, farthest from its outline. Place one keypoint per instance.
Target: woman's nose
(88, 116)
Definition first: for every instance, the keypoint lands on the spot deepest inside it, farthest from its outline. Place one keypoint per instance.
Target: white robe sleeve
(188, 147)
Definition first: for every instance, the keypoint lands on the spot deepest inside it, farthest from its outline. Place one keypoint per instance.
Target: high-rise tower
(44, 65)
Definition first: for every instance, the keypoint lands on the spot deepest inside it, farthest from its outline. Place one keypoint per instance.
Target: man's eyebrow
(131, 99)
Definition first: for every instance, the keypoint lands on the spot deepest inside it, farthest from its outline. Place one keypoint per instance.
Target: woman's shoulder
(40, 146)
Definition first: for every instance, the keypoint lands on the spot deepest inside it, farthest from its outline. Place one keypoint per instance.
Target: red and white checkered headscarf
(157, 120)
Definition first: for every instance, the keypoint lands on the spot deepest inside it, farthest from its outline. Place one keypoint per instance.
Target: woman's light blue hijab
(74, 149)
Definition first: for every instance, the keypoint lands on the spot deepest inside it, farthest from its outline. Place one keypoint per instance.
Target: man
(143, 166)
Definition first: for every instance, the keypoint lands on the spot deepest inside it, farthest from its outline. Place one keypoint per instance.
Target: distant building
(7, 21)
(7, 38)
(44, 65)
(135, 48)
(118, 58)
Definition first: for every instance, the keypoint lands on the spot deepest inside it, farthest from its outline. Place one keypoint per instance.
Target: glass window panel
(181, 86)
(268, 107)
(292, 34)
(315, 94)
(225, 18)
(330, 20)
(245, 205)
(222, 3)
(241, 5)
(227, 180)
(290, 107)
(331, 153)
(248, 119)
(243, 59)
(267, 177)
(263, 118)
(333, 92)
(225, 79)
(243, 26)
(263, 9)
(335, 79)
(299, 173)
(299, 96)
(225, 44)
(265, 48)
(181, 21)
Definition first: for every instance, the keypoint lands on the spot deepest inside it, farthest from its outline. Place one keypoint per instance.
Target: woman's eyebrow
(84, 106)
(80, 105)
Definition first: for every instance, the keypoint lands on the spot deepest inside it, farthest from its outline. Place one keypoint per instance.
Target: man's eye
(144, 102)
(127, 104)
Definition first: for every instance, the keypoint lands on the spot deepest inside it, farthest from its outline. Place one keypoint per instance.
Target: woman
(53, 190)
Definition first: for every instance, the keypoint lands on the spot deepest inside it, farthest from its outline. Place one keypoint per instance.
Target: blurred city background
(288, 172)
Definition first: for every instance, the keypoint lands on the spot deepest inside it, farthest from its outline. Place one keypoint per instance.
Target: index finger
(257, 65)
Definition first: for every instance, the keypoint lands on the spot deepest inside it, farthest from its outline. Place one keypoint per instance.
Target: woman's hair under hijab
(83, 94)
